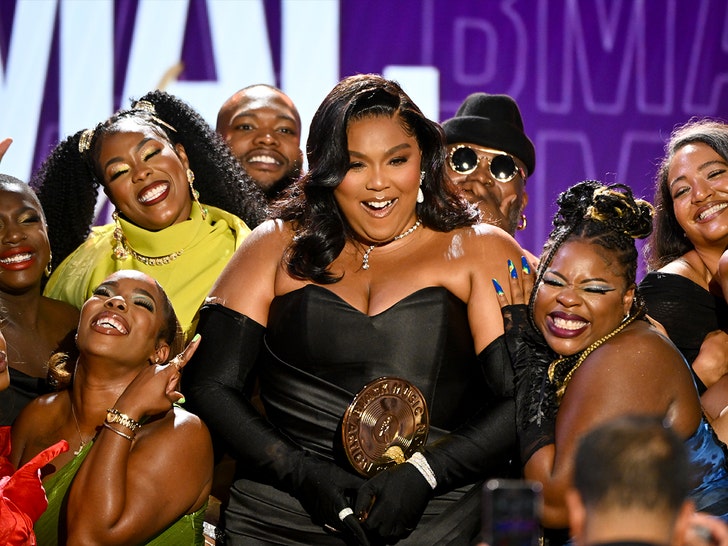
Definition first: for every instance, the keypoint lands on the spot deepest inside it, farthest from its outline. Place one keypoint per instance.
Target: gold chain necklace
(122, 249)
(561, 389)
(365, 258)
(78, 429)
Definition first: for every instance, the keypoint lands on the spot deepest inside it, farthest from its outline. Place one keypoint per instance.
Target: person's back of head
(635, 471)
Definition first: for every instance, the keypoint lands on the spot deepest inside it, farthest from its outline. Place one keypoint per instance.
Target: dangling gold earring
(49, 268)
(195, 193)
(120, 250)
(523, 223)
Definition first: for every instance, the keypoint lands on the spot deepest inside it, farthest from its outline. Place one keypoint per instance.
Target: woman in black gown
(373, 269)
(682, 289)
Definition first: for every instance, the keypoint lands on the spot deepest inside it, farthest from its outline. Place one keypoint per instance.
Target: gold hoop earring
(49, 268)
(195, 193)
(523, 223)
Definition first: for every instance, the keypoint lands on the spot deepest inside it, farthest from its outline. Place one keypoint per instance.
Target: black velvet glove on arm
(536, 404)
(495, 362)
(214, 384)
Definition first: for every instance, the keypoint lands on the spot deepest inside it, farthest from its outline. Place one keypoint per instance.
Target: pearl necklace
(365, 259)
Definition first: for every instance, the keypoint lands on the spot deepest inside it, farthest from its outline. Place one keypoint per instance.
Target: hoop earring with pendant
(195, 193)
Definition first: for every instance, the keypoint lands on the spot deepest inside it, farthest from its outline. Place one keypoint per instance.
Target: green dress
(186, 530)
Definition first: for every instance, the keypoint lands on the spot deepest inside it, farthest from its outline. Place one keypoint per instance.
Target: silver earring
(420, 194)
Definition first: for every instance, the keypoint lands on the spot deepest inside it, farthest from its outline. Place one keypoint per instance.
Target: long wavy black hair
(67, 184)
(669, 241)
(321, 228)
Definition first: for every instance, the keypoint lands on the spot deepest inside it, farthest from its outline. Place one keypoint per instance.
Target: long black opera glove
(395, 498)
(214, 383)
(497, 369)
(536, 403)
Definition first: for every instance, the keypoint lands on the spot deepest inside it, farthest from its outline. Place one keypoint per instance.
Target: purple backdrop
(600, 83)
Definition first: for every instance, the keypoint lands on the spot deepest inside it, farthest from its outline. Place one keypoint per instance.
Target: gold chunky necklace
(154, 260)
(561, 388)
(122, 249)
(365, 259)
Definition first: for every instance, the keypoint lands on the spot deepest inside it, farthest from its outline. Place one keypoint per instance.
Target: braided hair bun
(614, 205)
(608, 216)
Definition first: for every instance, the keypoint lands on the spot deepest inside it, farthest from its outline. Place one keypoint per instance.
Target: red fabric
(22, 497)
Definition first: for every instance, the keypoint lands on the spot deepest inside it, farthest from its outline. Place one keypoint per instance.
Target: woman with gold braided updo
(182, 203)
(583, 352)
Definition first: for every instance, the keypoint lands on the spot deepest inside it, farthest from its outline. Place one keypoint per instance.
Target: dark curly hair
(321, 229)
(67, 183)
(609, 216)
(668, 241)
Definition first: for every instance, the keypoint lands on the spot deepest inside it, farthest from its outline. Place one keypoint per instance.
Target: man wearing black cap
(490, 158)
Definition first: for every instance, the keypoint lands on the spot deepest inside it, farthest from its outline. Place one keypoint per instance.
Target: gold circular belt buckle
(384, 424)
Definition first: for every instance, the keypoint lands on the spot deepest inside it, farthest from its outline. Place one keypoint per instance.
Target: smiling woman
(119, 482)
(183, 203)
(592, 356)
(35, 326)
(372, 280)
(691, 233)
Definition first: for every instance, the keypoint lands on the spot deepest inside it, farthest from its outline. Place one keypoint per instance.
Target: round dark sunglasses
(463, 160)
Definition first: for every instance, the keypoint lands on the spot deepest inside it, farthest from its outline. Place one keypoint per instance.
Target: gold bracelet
(112, 429)
(113, 415)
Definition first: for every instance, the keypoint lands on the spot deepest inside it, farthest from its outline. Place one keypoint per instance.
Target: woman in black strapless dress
(374, 268)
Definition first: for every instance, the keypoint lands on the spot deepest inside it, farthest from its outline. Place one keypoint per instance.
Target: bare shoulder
(63, 316)
(42, 411)
(187, 422)
(270, 237)
(178, 432)
(488, 237)
(486, 246)
(637, 355)
(247, 284)
(690, 266)
(37, 426)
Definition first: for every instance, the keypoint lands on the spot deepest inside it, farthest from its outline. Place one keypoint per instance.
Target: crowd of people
(362, 340)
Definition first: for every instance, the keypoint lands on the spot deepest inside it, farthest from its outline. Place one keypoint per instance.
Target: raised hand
(154, 389)
(4, 145)
(530, 356)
